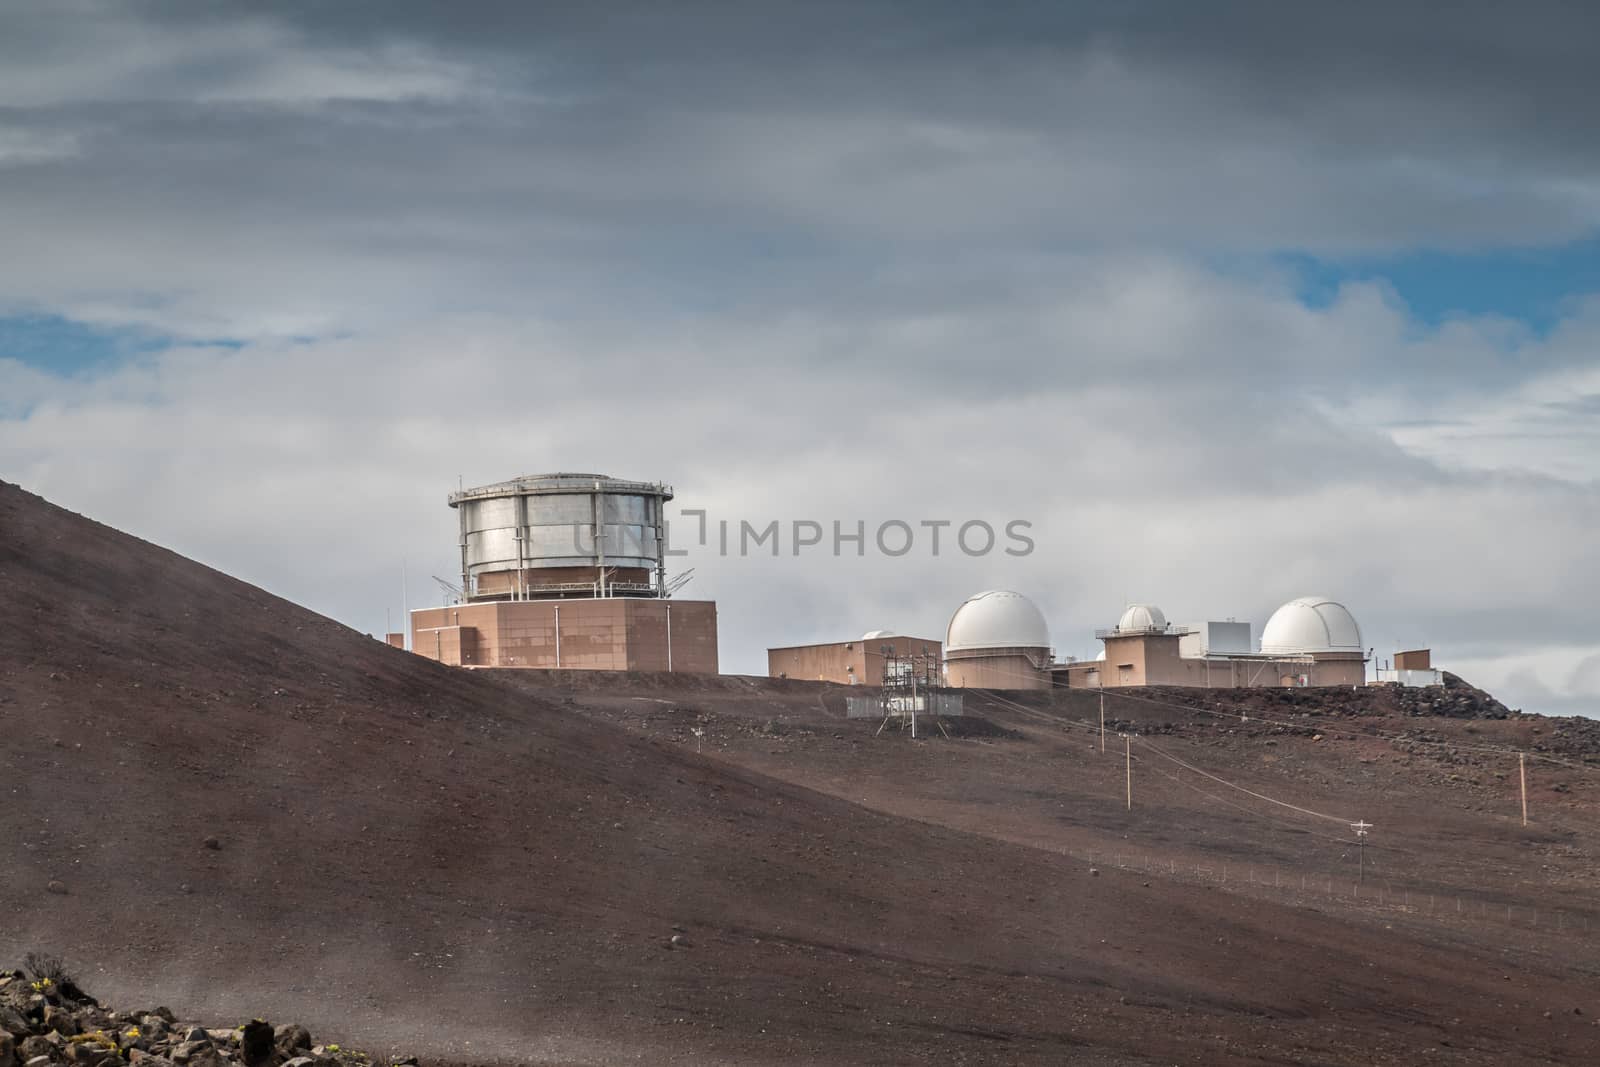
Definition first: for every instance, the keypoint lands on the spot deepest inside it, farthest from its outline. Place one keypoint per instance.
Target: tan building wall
(1418, 659)
(613, 634)
(858, 662)
(1346, 668)
(455, 645)
(1000, 669)
(693, 628)
(1153, 659)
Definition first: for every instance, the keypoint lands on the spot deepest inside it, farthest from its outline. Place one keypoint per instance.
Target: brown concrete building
(612, 634)
(567, 571)
(858, 662)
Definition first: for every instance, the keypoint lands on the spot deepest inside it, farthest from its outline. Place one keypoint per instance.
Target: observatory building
(998, 640)
(1310, 641)
(866, 660)
(568, 571)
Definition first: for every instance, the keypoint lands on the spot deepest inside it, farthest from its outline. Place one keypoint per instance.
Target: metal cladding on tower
(558, 535)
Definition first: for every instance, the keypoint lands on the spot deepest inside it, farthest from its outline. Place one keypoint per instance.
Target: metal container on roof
(561, 535)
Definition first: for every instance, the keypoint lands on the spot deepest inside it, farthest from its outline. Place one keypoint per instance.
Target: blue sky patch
(64, 347)
(1534, 286)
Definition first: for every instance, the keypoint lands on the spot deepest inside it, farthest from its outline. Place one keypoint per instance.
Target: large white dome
(1139, 617)
(1311, 624)
(996, 619)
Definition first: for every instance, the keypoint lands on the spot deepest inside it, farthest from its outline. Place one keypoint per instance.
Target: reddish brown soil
(487, 868)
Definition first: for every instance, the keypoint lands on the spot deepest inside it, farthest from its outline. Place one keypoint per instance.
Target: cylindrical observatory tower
(561, 536)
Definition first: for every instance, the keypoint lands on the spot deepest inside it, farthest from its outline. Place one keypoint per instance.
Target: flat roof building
(865, 660)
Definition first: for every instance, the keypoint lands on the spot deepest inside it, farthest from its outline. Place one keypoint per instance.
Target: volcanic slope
(213, 798)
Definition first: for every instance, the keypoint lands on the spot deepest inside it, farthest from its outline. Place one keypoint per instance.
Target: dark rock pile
(45, 1020)
(1455, 699)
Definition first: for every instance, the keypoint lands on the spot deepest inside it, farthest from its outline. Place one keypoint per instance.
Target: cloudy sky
(1232, 302)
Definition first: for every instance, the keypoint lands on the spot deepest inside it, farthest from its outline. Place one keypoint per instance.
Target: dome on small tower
(1137, 618)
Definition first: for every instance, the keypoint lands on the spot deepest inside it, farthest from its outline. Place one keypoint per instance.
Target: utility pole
(1127, 760)
(1102, 722)
(914, 699)
(1361, 827)
(1522, 768)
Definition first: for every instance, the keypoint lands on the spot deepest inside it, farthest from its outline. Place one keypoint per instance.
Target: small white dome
(996, 619)
(1311, 624)
(1101, 657)
(872, 635)
(1142, 617)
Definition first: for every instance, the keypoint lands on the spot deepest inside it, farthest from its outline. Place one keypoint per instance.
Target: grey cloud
(1585, 678)
(237, 161)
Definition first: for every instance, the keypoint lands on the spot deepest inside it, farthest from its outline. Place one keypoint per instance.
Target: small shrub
(47, 967)
(50, 974)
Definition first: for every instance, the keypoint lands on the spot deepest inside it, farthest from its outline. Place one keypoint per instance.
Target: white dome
(1142, 617)
(1101, 656)
(1311, 624)
(997, 619)
(872, 635)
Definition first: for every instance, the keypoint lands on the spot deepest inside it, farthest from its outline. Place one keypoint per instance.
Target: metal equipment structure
(565, 535)
(909, 689)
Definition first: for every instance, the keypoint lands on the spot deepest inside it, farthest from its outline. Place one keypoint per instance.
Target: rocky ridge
(47, 1020)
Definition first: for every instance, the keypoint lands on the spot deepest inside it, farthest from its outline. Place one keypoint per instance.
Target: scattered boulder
(11, 1020)
(34, 1047)
(60, 1021)
(256, 1043)
(292, 1039)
